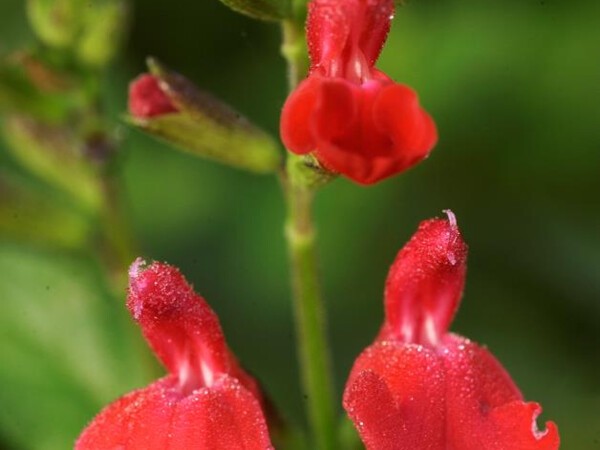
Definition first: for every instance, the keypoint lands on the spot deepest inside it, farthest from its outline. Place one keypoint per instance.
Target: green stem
(310, 318)
(311, 336)
(293, 50)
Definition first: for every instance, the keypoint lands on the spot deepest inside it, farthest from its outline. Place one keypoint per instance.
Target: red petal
(296, 117)
(485, 407)
(226, 417)
(135, 421)
(395, 397)
(516, 428)
(340, 30)
(327, 29)
(398, 114)
(455, 396)
(146, 98)
(425, 283)
(181, 328)
(347, 140)
(336, 116)
(348, 126)
(222, 417)
(376, 23)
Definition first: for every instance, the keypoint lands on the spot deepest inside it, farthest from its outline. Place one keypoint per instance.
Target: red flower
(206, 402)
(355, 119)
(419, 387)
(146, 98)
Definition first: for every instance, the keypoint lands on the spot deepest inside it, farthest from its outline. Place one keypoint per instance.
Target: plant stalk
(311, 336)
(313, 346)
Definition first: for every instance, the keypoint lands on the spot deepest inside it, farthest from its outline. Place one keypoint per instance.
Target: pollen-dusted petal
(516, 428)
(372, 409)
(181, 328)
(395, 397)
(454, 396)
(225, 416)
(338, 29)
(327, 29)
(376, 23)
(139, 420)
(485, 408)
(297, 115)
(397, 112)
(146, 98)
(425, 283)
(207, 402)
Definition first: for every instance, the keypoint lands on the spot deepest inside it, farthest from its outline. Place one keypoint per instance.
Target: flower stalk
(309, 314)
(300, 183)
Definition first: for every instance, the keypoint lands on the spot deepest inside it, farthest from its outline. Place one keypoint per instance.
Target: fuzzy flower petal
(419, 387)
(207, 402)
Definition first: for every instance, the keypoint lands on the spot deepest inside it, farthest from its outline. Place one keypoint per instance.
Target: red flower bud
(146, 98)
(206, 402)
(355, 119)
(419, 387)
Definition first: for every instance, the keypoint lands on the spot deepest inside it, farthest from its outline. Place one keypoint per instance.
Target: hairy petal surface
(224, 417)
(456, 396)
(207, 402)
(418, 387)
(425, 283)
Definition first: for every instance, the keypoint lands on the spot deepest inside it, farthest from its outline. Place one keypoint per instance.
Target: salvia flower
(419, 387)
(351, 116)
(205, 402)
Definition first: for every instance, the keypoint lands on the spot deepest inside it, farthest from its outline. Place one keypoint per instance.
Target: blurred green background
(514, 87)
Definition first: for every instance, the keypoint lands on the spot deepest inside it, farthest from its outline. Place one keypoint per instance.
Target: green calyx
(206, 127)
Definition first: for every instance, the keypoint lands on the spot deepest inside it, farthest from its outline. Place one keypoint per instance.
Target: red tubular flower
(418, 387)
(146, 98)
(206, 402)
(355, 119)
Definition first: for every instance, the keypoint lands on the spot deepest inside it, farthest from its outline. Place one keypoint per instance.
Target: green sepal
(272, 10)
(206, 127)
(54, 154)
(306, 172)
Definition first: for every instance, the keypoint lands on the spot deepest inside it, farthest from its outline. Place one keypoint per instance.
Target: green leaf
(204, 126)
(67, 348)
(261, 9)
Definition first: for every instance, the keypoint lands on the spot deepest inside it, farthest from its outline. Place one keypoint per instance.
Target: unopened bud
(169, 106)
